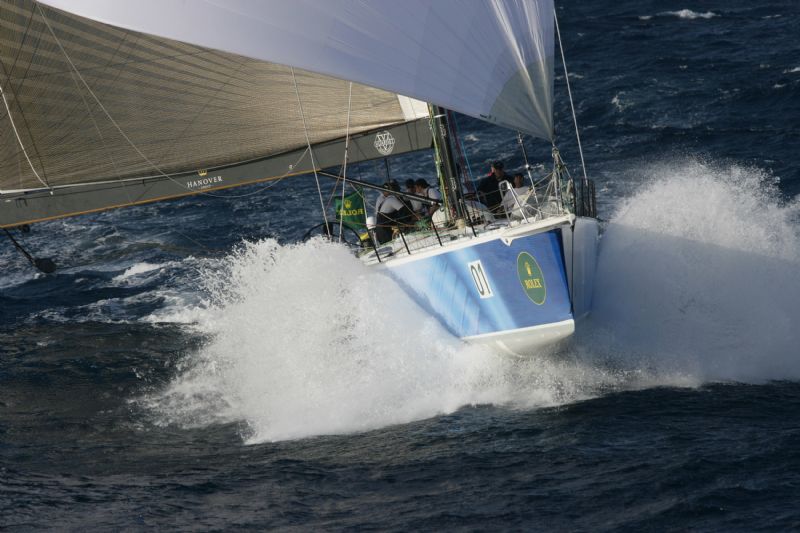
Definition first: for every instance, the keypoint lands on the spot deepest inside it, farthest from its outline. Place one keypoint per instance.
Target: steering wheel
(330, 230)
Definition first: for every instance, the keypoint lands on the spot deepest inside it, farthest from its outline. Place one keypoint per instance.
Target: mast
(446, 168)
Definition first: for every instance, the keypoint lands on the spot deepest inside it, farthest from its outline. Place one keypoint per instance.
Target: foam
(689, 14)
(138, 268)
(618, 104)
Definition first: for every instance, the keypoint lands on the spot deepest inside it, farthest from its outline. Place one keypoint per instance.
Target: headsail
(490, 59)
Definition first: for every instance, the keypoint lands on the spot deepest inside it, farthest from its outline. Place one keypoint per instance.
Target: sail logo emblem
(384, 142)
(348, 204)
(531, 278)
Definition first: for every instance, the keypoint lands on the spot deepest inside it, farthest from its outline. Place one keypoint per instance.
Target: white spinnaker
(490, 59)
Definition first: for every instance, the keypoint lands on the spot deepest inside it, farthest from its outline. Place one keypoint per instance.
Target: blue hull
(489, 288)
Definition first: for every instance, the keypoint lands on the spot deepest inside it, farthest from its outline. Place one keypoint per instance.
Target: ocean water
(192, 366)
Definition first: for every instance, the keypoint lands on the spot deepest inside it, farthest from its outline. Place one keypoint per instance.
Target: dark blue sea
(192, 367)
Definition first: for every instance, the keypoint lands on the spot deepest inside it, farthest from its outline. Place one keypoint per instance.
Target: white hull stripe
(564, 324)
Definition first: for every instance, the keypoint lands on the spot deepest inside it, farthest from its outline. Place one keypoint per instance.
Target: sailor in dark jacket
(489, 187)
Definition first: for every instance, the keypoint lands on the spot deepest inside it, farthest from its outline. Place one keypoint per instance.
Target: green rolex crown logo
(531, 278)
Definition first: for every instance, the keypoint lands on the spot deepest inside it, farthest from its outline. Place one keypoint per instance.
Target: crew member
(520, 190)
(411, 188)
(391, 213)
(489, 187)
(423, 189)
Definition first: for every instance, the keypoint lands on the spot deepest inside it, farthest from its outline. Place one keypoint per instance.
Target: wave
(618, 103)
(138, 268)
(686, 14)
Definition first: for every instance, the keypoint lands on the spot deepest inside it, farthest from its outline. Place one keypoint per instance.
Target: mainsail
(161, 98)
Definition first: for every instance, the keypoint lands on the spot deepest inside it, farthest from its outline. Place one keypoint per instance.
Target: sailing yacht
(114, 104)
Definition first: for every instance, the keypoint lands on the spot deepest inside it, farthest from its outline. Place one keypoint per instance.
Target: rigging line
(19, 140)
(8, 110)
(19, 51)
(8, 80)
(333, 192)
(569, 92)
(208, 102)
(346, 146)
(200, 244)
(119, 129)
(94, 121)
(102, 138)
(60, 139)
(124, 63)
(114, 122)
(19, 247)
(311, 150)
(268, 183)
(437, 156)
(343, 170)
(470, 175)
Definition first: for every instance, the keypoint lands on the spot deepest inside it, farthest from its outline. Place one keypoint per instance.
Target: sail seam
(125, 136)
(102, 138)
(88, 88)
(9, 80)
(19, 140)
